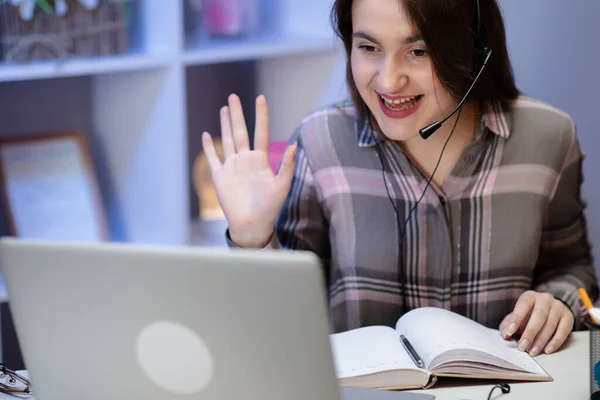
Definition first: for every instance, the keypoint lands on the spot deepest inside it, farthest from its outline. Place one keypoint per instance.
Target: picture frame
(49, 188)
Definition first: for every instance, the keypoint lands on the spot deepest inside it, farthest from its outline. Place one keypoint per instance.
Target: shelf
(222, 51)
(79, 67)
(218, 51)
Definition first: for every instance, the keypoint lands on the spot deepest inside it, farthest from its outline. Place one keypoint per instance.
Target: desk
(568, 367)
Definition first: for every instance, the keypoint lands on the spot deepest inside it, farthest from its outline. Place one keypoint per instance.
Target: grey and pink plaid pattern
(508, 219)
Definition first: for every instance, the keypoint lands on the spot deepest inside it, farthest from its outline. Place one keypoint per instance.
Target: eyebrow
(408, 40)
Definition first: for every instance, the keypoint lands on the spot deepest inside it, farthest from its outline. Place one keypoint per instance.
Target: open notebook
(447, 343)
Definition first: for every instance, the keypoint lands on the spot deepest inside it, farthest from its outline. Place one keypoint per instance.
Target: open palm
(249, 193)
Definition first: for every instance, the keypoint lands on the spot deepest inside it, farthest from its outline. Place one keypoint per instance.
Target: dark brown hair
(448, 28)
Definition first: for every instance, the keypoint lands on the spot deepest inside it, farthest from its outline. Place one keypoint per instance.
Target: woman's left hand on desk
(542, 321)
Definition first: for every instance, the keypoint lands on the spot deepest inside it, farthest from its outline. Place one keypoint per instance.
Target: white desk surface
(569, 367)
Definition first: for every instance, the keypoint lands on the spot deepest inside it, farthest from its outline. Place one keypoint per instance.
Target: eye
(419, 53)
(367, 48)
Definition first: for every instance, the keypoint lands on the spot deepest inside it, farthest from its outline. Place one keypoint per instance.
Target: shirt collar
(496, 120)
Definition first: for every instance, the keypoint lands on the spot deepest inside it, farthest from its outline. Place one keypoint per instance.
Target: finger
(226, 134)
(261, 131)
(520, 313)
(505, 323)
(539, 316)
(209, 151)
(546, 332)
(565, 325)
(238, 124)
(284, 176)
(521, 329)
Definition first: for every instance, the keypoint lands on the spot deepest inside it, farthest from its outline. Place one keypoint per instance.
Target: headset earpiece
(480, 41)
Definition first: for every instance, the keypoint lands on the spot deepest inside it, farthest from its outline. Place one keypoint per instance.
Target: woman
(484, 217)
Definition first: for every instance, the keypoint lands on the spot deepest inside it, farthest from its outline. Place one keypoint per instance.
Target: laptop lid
(100, 321)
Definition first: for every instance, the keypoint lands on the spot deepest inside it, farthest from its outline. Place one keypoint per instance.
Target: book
(447, 343)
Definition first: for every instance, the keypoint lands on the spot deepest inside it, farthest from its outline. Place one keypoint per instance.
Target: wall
(557, 59)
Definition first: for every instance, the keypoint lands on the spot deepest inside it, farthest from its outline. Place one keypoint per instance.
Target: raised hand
(249, 193)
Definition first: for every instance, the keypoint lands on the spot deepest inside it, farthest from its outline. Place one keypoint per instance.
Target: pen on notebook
(411, 352)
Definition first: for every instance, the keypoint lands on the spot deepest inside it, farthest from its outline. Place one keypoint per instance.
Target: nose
(393, 75)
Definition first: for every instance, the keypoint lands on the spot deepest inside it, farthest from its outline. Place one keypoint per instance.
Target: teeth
(389, 103)
(398, 101)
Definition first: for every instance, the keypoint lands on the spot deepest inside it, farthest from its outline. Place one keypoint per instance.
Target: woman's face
(393, 71)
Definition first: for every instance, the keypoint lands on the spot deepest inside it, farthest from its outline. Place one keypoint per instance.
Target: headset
(482, 56)
(482, 52)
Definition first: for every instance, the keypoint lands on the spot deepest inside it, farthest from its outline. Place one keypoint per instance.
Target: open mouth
(401, 104)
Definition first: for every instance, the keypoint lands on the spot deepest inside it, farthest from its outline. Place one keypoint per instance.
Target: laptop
(121, 321)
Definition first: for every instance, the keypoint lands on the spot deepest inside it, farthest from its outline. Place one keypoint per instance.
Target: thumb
(283, 179)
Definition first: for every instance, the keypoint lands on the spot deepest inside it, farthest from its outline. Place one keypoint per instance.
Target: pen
(411, 352)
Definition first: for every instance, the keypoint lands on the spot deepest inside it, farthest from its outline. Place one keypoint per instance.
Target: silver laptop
(116, 321)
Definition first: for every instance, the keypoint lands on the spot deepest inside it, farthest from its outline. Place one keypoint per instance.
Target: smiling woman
(483, 218)
(390, 63)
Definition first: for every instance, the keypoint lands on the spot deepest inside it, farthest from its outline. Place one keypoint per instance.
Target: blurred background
(130, 85)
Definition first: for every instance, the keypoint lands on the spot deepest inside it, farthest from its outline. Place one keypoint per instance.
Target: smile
(399, 107)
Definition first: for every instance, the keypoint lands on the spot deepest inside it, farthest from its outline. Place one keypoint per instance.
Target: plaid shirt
(508, 219)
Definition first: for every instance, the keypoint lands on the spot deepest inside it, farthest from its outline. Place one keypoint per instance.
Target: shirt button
(469, 159)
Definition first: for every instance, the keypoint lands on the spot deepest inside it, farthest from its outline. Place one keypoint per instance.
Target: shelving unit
(256, 49)
(143, 112)
(85, 67)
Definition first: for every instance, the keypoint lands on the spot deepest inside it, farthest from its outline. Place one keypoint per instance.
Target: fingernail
(534, 352)
(511, 329)
(549, 349)
(523, 344)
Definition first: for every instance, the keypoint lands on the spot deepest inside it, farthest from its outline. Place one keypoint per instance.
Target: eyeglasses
(13, 383)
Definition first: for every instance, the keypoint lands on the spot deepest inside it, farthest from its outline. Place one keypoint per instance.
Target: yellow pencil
(585, 298)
